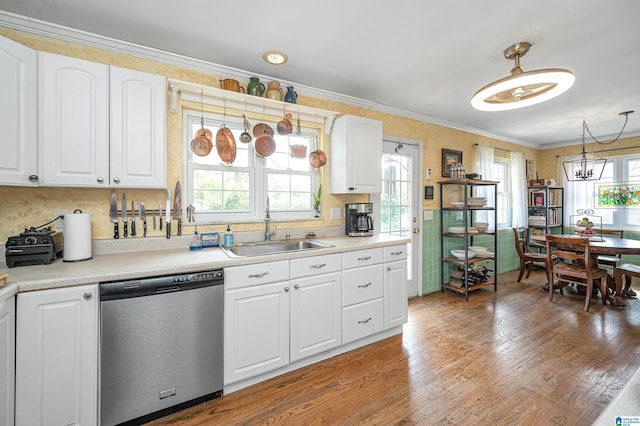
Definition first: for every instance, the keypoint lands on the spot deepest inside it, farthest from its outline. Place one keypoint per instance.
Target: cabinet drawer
(259, 273)
(362, 320)
(362, 284)
(393, 253)
(358, 258)
(315, 265)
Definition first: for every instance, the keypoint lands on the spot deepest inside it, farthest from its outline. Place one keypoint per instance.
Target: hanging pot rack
(246, 103)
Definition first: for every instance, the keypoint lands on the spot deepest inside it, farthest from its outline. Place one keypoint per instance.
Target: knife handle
(116, 232)
(125, 231)
(161, 222)
(144, 228)
(168, 229)
(179, 226)
(133, 227)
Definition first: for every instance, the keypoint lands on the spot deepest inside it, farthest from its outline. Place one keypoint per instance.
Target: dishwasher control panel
(201, 276)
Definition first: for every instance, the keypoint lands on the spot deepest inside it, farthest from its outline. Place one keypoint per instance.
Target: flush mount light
(275, 57)
(522, 88)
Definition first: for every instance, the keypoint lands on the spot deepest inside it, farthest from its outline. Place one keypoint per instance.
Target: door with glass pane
(398, 205)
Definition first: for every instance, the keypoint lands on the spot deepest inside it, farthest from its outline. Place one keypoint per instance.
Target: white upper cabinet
(356, 153)
(18, 114)
(74, 126)
(138, 131)
(101, 126)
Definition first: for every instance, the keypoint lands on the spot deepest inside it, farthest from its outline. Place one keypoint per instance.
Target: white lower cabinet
(315, 315)
(7, 359)
(57, 357)
(396, 309)
(270, 324)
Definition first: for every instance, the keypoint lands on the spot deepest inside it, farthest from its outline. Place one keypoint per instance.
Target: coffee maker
(358, 221)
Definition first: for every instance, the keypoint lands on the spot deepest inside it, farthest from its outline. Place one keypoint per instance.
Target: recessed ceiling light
(275, 57)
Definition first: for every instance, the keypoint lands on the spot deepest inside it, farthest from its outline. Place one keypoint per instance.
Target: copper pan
(264, 145)
(261, 128)
(317, 158)
(226, 145)
(201, 146)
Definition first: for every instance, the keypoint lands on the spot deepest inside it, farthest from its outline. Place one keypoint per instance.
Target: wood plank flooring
(505, 358)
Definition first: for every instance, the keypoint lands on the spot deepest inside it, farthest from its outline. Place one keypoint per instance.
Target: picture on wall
(530, 170)
(449, 157)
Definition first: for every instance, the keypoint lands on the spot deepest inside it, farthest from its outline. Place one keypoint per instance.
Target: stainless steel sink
(272, 247)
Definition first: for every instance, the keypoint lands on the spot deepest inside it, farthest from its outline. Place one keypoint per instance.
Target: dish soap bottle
(196, 244)
(228, 237)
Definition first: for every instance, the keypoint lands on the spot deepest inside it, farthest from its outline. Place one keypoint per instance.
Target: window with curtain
(238, 192)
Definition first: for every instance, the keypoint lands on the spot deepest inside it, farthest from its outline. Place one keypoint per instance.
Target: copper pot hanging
(226, 145)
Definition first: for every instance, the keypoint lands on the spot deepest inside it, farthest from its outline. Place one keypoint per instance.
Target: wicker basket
(298, 151)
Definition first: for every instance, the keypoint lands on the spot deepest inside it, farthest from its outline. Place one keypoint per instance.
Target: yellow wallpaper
(26, 207)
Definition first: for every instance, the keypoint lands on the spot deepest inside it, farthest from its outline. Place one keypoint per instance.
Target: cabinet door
(57, 357)
(356, 147)
(74, 121)
(7, 359)
(137, 129)
(395, 294)
(256, 336)
(19, 117)
(316, 314)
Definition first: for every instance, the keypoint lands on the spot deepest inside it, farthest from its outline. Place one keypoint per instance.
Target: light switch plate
(335, 212)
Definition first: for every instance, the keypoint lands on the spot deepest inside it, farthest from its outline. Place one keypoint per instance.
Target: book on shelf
(537, 198)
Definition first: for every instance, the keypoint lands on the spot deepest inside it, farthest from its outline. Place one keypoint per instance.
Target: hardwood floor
(505, 358)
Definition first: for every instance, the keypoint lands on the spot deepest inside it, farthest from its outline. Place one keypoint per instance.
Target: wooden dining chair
(576, 266)
(611, 261)
(527, 257)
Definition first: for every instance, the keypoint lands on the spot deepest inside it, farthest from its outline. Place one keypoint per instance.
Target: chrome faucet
(267, 221)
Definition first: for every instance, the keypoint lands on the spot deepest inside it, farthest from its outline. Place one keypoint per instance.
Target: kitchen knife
(160, 215)
(143, 216)
(168, 214)
(113, 214)
(133, 220)
(154, 218)
(177, 207)
(125, 232)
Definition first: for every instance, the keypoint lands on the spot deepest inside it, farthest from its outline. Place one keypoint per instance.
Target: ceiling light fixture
(589, 166)
(522, 88)
(275, 57)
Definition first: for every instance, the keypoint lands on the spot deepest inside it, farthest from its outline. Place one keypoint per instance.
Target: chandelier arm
(626, 119)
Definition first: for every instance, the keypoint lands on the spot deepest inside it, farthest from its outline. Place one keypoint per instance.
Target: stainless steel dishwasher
(161, 345)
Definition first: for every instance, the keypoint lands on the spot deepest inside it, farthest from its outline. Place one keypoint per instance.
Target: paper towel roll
(77, 237)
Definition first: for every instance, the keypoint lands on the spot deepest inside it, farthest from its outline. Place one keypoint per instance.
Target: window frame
(256, 167)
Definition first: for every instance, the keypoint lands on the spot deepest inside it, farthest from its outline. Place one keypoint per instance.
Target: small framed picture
(530, 173)
(449, 157)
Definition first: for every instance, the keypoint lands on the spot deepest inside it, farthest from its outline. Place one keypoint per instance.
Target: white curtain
(484, 166)
(518, 190)
(577, 194)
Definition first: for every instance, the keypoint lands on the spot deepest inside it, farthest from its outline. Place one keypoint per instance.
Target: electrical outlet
(60, 220)
(335, 212)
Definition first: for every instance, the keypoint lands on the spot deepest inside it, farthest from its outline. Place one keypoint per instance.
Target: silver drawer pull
(259, 275)
(318, 266)
(395, 253)
(364, 258)
(364, 285)
(364, 321)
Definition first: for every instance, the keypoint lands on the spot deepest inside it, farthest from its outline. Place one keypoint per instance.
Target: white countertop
(144, 263)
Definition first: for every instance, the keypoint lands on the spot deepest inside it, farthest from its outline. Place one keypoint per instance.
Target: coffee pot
(358, 220)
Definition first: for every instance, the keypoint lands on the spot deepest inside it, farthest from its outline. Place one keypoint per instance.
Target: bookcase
(545, 210)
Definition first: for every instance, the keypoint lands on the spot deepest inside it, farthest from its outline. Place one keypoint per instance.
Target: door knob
(416, 230)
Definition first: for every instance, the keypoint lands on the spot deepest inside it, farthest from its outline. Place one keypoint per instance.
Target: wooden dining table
(603, 245)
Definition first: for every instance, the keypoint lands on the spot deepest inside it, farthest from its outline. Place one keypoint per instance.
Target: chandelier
(589, 166)
(522, 88)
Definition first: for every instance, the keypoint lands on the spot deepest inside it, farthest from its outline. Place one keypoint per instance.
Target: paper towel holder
(77, 242)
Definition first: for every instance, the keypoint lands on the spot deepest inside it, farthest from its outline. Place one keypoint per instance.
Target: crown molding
(47, 29)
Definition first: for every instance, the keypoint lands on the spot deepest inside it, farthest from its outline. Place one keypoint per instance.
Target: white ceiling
(419, 58)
